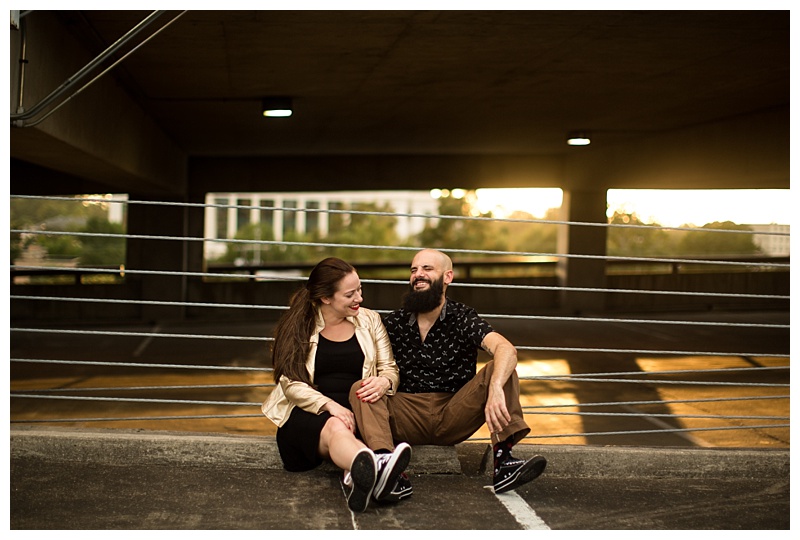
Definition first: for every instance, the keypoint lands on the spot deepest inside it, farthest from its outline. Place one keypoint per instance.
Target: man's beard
(426, 300)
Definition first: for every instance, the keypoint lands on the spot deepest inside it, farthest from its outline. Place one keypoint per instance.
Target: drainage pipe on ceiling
(17, 119)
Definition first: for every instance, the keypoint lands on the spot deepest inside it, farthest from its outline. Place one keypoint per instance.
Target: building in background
(229, 212)
(772, 244)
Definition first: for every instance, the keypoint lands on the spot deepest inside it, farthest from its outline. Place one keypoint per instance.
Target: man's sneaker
(361, 479)
(512, 472)
(402, 489)
(390, 467)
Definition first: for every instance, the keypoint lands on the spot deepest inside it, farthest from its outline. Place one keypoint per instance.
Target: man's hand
(505, 362)
(497, 415)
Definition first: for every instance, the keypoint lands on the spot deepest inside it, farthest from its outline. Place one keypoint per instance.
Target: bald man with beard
(441, 400)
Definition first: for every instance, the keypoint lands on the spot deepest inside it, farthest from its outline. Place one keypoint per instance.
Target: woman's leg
(338, 443)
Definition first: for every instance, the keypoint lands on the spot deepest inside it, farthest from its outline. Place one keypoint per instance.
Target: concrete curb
(142, 447)
(196, 449)
(659, 462)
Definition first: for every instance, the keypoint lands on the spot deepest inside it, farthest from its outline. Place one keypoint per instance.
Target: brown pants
(437, 418)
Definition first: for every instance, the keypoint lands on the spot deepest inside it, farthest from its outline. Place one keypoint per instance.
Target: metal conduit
(733, 420)
(80, 74)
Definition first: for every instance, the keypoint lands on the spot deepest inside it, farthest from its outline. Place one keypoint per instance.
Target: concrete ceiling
(446, 82)
(443, 83)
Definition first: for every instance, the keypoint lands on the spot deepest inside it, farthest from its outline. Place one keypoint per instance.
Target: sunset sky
(670, 208)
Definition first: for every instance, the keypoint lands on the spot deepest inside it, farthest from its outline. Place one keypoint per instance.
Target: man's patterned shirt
(448, 357)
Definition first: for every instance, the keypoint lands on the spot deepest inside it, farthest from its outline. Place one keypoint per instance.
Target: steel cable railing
(615, 378)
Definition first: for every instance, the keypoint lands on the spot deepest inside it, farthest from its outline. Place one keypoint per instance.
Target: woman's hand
(342, 413)
(372, 389)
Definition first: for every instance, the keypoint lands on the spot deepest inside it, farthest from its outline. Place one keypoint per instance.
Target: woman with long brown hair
(325, 344)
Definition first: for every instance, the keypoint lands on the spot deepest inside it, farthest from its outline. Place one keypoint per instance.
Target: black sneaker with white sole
(390, 467)
(361, 480)
(512, 473)
(402, 490)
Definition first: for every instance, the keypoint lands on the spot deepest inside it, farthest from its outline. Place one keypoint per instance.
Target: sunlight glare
(673, 208)
(667, 207)
(502, 202)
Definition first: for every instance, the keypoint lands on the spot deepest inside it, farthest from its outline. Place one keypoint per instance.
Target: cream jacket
(378, 360)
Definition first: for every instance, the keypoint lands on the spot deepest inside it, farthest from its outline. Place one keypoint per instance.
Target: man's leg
(465, 413)
(372, 420)
(398, 417)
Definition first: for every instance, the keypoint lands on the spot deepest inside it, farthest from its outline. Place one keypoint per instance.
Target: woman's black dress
(337, 366)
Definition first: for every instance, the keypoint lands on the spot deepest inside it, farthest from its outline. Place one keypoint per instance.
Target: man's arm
(505, 362)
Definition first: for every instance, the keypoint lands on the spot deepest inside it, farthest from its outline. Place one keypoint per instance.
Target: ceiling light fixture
(276, 106)
(578, 138)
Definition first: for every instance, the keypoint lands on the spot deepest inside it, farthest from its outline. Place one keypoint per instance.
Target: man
(441, 400)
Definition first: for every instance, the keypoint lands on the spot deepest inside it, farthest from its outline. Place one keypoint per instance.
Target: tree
(460, 233)
(699, 243)
(75, 215)
(364, 229)
(530, 237)
(255, 254)
(101, 250)
(652, 240)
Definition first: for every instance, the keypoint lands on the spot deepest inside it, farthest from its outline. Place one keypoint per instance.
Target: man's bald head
(434, 257)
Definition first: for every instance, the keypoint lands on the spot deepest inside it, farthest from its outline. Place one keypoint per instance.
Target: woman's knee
(333, 426)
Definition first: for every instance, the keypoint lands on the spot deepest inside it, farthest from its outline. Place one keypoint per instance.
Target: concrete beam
(747, 152)
(102, 134)
(315, 173)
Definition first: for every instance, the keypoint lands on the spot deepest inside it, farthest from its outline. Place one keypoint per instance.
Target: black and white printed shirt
(448, 357)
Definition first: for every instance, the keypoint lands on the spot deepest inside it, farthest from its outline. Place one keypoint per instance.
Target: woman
(324, 344)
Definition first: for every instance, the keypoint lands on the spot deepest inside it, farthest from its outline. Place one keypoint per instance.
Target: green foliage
(532, 237)
(715, 243)
(100, 250)
(75, 215)
(486, 234)
(651, 241)
(656, 242)
(345, 229)
(458, 233)
(364, 229)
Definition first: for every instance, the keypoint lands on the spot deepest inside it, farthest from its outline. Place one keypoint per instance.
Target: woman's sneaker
(512, 473)
(390, 467)
(361, 480)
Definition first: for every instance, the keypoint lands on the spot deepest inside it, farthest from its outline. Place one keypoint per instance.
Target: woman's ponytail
(294, 329)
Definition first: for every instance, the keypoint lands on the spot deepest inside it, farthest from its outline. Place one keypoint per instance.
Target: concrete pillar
(160, 255)
(585, 207)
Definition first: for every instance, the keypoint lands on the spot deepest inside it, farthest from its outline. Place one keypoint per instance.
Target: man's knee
(353, 389)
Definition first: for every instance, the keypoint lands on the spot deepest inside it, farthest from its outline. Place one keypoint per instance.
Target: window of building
(289, 217)
(243, 214)
(266, 215)
(222, 218)
(312, 218)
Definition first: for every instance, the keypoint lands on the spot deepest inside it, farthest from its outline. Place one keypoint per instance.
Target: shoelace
(382, 460)
(509, 461)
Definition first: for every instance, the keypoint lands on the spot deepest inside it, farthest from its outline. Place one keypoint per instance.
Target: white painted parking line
(143, 345)
(521, 510)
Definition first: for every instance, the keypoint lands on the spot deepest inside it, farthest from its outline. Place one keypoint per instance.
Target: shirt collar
(320, 321)
(412, 318)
